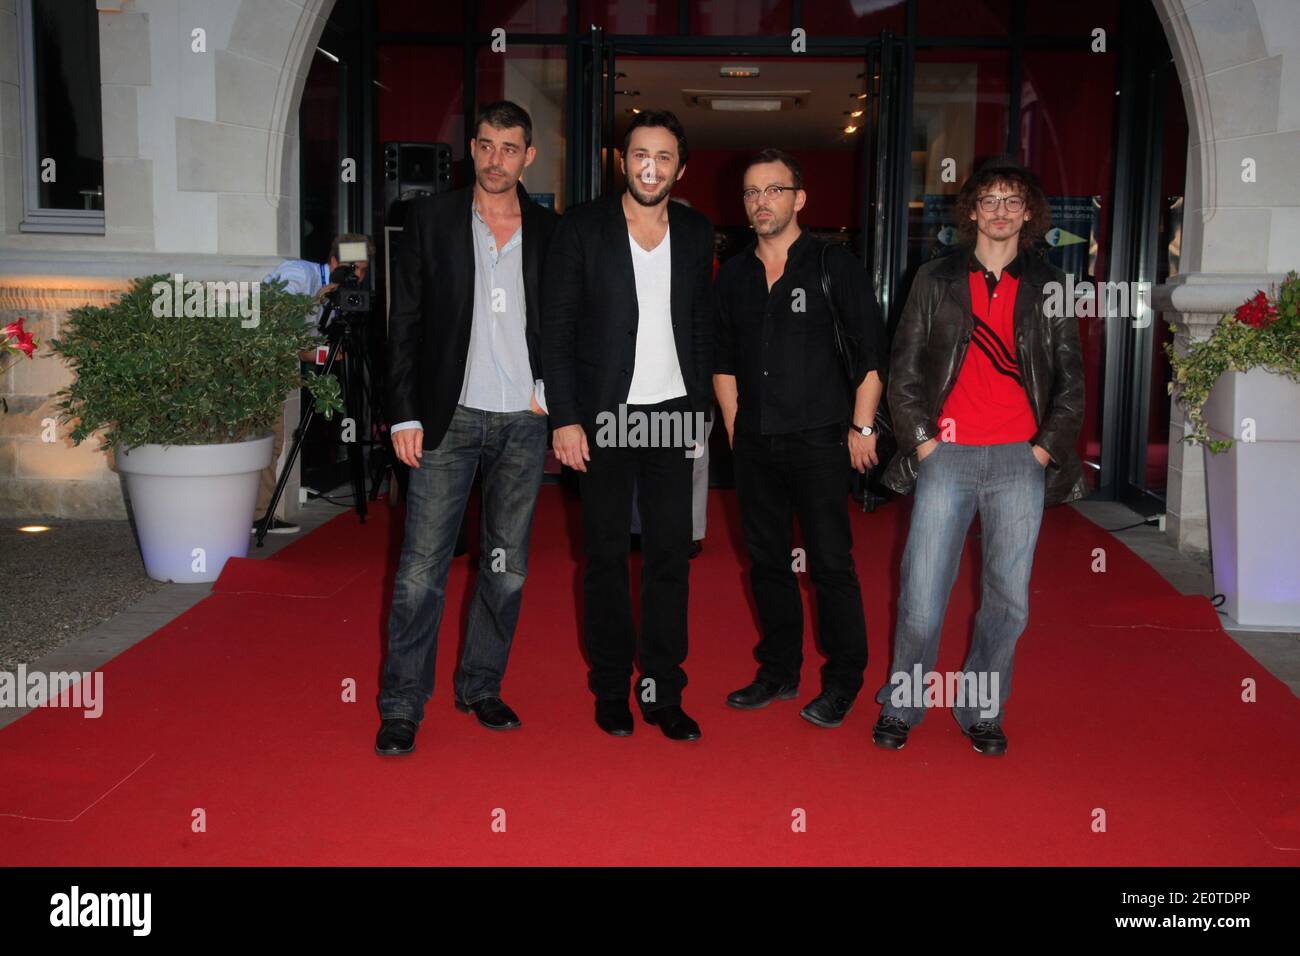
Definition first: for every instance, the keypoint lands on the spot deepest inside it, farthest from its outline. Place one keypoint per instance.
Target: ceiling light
(34, 528)
(850, 129)
(746, 106)
(750, 101)
(856, 113)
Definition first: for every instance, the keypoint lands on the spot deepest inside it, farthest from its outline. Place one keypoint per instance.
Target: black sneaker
(277, 527)
(988, 738)
(890, 733)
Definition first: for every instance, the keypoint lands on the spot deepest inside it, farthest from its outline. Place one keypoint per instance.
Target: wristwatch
(867, 430)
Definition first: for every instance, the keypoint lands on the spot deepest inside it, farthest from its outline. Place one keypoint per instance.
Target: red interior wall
(832, 180)
(421, 96)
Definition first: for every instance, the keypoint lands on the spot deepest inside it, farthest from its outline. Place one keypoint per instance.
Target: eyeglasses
(770, 192)
(1013, 203)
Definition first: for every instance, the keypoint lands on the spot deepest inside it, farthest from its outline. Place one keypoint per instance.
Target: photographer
(314, 279)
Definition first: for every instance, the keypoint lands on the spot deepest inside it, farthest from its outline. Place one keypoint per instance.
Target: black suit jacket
(590, 311)
(433, 305)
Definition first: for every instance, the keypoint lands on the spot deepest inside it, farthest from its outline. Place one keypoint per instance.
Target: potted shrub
(1241, 388)
(185, 381)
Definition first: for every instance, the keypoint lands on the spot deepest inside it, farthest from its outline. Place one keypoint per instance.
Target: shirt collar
(796, 249)
(800, 245)
(324, 273)
(1012, 268)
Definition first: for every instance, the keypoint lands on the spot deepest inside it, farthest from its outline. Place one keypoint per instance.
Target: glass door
(885, 169)
(595, 104)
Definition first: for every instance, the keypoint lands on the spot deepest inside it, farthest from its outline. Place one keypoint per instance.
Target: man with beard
(796, 423)
(464, 383)
(626, 333)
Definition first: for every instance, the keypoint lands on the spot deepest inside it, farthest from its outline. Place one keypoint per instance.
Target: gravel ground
(61, 583)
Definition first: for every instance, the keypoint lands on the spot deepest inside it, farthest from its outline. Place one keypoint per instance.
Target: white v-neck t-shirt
(657, 375)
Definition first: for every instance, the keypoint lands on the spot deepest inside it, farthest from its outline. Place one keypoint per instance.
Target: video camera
(349, 297)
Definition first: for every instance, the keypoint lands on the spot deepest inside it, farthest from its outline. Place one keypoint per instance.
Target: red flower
(24, 340)
(1257, 312)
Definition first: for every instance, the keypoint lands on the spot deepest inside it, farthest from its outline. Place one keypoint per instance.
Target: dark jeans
(663, 479)
(511, 448)
(1004, 483)
(803, 474)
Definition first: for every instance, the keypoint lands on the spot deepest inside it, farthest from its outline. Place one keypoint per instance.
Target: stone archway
(1229, 56)
(284, 32)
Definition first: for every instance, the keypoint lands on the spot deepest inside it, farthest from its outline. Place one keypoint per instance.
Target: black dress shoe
(760, 694)
(890, 733)
(396, 737)
(674, 723)
(614, 717)
(987, 737)
(492, 713)
(827, 710)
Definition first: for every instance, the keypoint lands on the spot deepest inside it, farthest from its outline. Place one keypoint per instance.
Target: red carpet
(1127, 700)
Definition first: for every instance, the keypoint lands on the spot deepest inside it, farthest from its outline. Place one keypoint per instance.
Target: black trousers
(663, 482)
(803, 474)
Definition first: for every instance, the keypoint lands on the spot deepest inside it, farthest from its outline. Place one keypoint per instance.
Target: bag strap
(842, 346)
(847, 352)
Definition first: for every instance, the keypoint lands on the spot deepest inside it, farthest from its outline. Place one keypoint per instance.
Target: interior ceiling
(817, 123)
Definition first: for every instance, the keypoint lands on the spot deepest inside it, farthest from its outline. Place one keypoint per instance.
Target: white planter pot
(193, 504)
(1251, 492)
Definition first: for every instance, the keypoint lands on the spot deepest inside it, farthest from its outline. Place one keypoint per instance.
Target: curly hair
(1023, 182)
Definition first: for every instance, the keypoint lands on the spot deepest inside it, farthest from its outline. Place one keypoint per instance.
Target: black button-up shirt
(780, 344)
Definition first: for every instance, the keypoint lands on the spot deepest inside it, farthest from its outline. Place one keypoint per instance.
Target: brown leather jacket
(930, 345)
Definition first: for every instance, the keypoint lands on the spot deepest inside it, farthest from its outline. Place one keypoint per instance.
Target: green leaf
(147, 379)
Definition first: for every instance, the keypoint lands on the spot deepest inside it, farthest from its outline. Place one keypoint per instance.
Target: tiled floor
(1279, 653)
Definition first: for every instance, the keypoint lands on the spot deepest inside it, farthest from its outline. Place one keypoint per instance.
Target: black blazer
(433, 305)
(590, 312)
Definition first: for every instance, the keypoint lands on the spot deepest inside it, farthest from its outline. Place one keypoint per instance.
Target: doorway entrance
(942, 85)
(838, 114)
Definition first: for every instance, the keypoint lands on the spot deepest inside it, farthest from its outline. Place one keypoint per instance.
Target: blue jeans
(1004, 483)
(511, 448)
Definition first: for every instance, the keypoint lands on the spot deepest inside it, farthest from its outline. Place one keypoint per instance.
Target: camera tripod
(344, 331)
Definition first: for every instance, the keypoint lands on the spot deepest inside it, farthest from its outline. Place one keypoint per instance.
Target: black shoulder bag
(847, 348)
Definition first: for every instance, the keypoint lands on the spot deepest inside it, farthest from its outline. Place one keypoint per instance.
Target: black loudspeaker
(411, 170)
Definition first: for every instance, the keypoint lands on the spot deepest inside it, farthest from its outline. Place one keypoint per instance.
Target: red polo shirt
(988, 404)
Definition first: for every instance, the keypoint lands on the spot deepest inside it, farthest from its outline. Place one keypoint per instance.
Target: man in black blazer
(626, 343)
(465, 393)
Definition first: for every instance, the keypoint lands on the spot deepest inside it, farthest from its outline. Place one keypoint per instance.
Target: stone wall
(38, 477)
(200, 177)
(1239, 66)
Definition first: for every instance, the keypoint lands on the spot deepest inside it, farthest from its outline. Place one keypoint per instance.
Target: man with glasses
(986, 395)
(795, 428)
